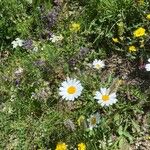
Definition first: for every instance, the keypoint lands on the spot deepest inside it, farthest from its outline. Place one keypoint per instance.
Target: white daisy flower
(147, 66)
(94, 120)
(98, 64)
(70, 89)
(105, 98)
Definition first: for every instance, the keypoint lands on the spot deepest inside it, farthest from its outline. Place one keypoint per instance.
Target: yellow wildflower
(132, 49)
(61, 146)
(139, 32)
(81, 146)
(115, 40)
(148, 16)
(75, 27)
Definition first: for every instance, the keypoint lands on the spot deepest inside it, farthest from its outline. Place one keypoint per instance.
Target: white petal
(64, 84)
(91, 127)
(100, 101)
(71, 97)
(103, 91)
(61, 88)
(107, 104)
(98, 95)
(61, 93)
(112, 95)
(103, 104)
(113, 101)
(95, 62)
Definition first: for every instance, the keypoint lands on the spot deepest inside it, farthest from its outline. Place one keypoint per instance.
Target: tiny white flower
(149, 60)
(55, 38)
(70, 89)
(14, 43)
(105, 98)
(35, 49)
(94, 120)
(17, 42)
(19, 71)
(98, 64)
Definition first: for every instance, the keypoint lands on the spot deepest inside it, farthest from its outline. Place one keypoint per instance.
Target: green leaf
(126, 134)
(123, 144)
(120, 131)
(136, 126)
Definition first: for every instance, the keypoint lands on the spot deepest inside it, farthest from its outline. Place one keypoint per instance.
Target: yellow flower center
(105, 97)
(97, 66)
(71, 90)
(93, 121)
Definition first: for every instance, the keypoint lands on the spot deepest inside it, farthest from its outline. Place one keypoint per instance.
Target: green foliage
(18, 18)
(33, 115)
(117, 19)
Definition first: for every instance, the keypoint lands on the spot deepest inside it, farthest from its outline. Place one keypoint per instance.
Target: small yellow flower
(132, 49)
(81, 146)
(148, 16)
(139, 32)
(75, 27)
(115, 40)
(61, 146)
